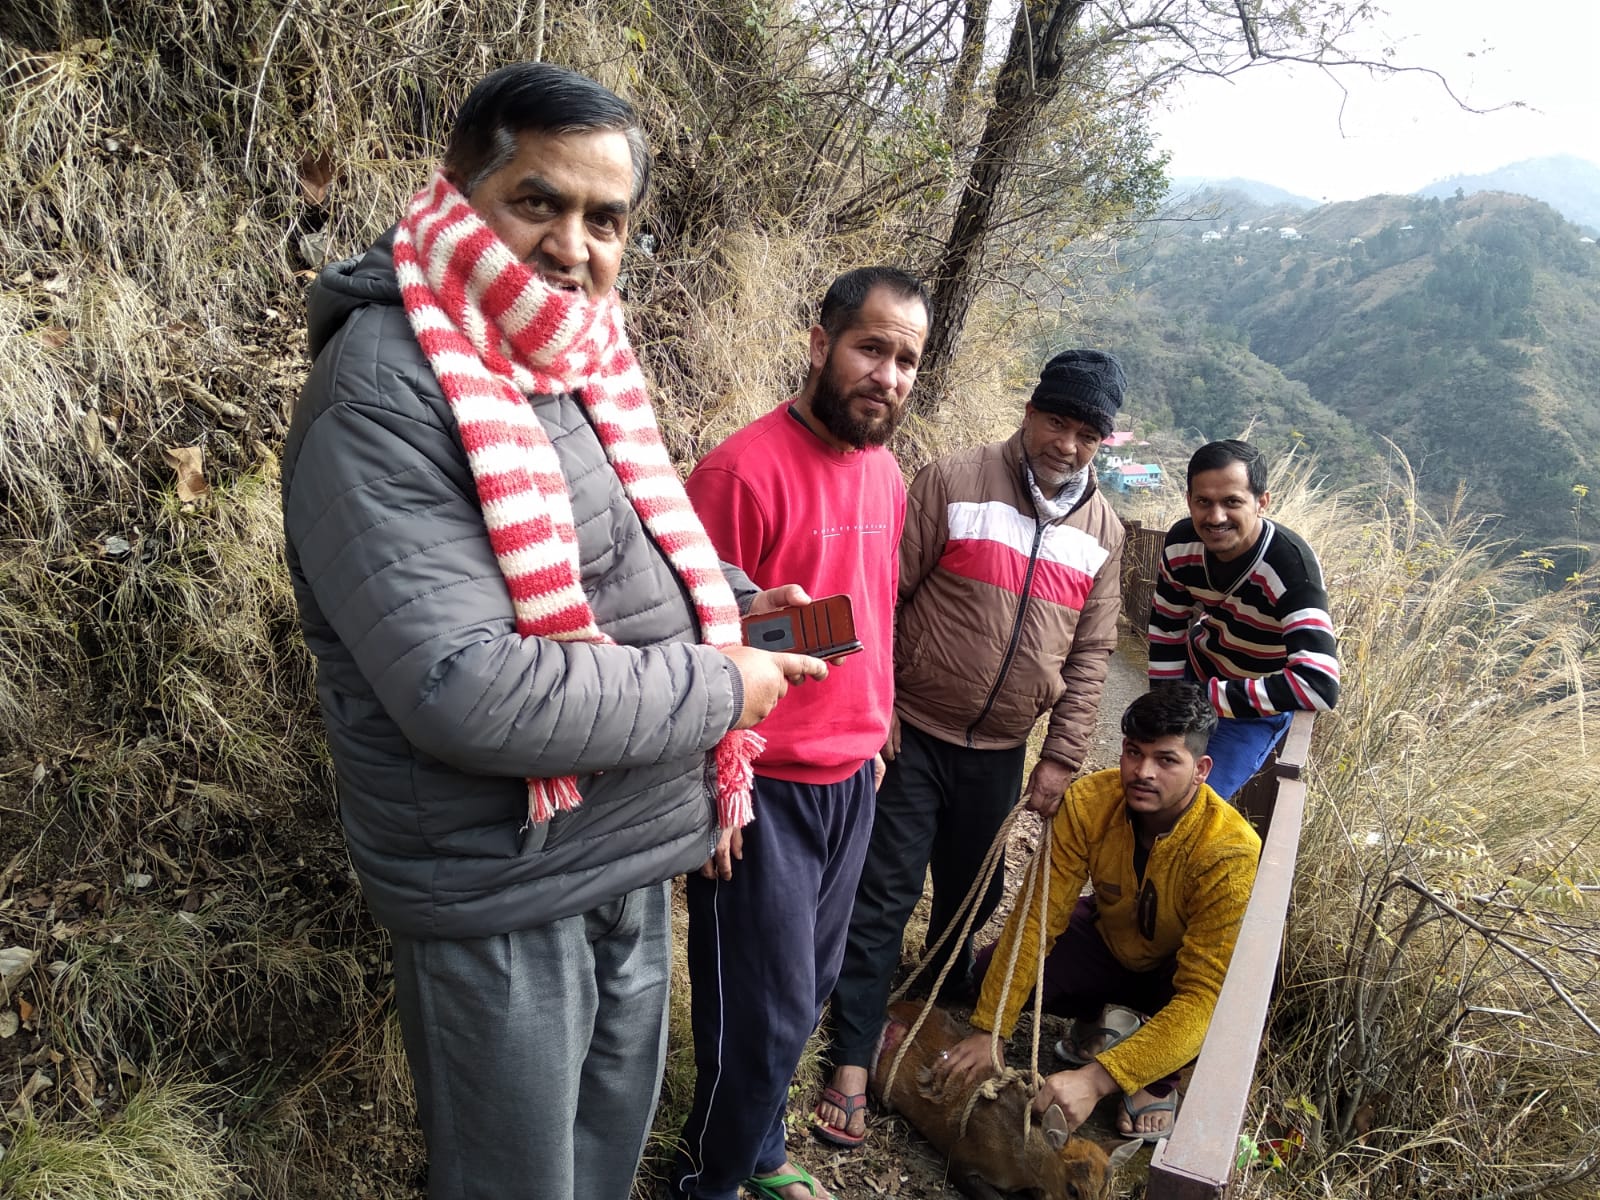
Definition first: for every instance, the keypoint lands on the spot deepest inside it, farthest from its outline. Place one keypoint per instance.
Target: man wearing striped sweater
(1240, 608)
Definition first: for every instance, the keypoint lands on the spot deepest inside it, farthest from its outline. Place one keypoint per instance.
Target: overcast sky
(1283, 125)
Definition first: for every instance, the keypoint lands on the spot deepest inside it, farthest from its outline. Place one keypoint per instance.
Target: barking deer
(991, 1158)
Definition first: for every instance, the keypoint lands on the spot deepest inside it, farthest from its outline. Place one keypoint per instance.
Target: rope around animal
(1036, 884)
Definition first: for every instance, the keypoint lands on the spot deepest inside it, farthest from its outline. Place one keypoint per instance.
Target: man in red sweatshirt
(806, 494)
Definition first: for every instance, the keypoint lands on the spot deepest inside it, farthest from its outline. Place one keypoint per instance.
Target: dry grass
(162, 1146)
(1437, 1031)
(168, 175)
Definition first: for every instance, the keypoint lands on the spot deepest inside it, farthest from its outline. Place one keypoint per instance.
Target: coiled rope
(1035, 892)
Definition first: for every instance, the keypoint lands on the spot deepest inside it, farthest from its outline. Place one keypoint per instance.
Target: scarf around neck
(1052, 508)
(495, 333)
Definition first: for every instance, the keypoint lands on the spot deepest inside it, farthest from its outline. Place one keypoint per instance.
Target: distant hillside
(1568, 184)
(1463, 330)
(1197, 382)
(1221, 208)
(1263, 194)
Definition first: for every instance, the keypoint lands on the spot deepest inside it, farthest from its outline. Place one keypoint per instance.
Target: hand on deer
(988, 1151)
(965, 1063)
(1076, 1092)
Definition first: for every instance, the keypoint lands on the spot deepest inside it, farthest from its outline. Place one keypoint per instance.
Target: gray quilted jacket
(436, 709)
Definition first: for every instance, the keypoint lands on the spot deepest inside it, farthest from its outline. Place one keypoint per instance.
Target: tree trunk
(974, 25)
(1028, 80)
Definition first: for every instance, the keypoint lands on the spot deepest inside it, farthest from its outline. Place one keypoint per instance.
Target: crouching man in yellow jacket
(1171, 865)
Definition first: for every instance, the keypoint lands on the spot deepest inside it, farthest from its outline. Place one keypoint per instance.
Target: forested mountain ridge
(1568, 184)
(1465, 330)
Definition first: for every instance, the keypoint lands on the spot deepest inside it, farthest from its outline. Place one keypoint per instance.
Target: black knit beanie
(1085, 385)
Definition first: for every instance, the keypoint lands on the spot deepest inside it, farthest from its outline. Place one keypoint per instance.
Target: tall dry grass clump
(162, 1145)
(171, 174)
(1438, 1029)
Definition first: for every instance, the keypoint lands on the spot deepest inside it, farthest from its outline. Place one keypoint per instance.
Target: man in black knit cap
(1010, 583)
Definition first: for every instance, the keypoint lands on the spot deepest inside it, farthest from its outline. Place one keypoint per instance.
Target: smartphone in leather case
(825, 628)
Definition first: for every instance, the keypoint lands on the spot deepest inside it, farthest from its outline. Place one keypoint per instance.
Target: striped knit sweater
(1263, 645)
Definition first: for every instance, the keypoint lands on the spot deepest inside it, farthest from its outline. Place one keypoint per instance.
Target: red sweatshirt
(785, 507)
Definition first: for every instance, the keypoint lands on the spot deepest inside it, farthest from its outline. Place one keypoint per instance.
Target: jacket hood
(343, 287)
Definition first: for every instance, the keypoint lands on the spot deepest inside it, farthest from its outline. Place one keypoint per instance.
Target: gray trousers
(538, 1054)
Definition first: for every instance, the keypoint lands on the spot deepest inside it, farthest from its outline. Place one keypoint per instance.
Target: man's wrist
(1100, 1079)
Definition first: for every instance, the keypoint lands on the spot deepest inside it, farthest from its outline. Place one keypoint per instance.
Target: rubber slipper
(1167, 1103)
(1071, 1049)
(850, 1106)
(766, 1186)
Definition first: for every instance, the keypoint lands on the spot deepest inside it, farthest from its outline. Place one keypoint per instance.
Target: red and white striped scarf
(495, 333)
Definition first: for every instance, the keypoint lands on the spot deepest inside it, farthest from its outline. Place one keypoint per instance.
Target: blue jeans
(538, 1054)
(1239, 747)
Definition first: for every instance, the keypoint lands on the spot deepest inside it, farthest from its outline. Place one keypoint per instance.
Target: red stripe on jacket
(993, 563)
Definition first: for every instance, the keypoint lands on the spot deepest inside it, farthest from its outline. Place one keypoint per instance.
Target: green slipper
(766, 1186)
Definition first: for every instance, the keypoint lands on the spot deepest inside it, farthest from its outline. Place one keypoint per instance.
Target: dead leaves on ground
(189, 463)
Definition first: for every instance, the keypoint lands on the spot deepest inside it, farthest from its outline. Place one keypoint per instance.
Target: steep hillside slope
(1463, 330)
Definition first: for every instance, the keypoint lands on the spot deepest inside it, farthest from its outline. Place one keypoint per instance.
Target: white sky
(1282, 125)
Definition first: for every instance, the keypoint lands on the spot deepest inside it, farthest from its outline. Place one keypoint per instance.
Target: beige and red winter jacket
(1003, 617)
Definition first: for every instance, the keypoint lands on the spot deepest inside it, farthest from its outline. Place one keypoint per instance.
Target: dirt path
(1126, 681)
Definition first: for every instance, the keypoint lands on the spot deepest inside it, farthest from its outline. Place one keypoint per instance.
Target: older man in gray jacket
(523, 639)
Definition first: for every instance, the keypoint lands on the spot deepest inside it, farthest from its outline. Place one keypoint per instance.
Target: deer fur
(992, 1159)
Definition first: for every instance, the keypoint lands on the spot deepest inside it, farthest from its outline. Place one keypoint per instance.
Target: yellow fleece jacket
(1199, 876)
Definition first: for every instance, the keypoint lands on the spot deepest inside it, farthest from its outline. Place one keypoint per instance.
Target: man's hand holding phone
(790, 595)
(767, 678)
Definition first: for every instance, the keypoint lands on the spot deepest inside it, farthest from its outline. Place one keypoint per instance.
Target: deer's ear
(1126, 1151)
(1056, 1129)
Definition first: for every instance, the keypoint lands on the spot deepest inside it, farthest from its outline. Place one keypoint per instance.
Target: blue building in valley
(1132, 477)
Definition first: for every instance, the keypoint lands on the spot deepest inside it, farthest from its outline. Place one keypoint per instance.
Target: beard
(831, 408)
(1052, 479)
